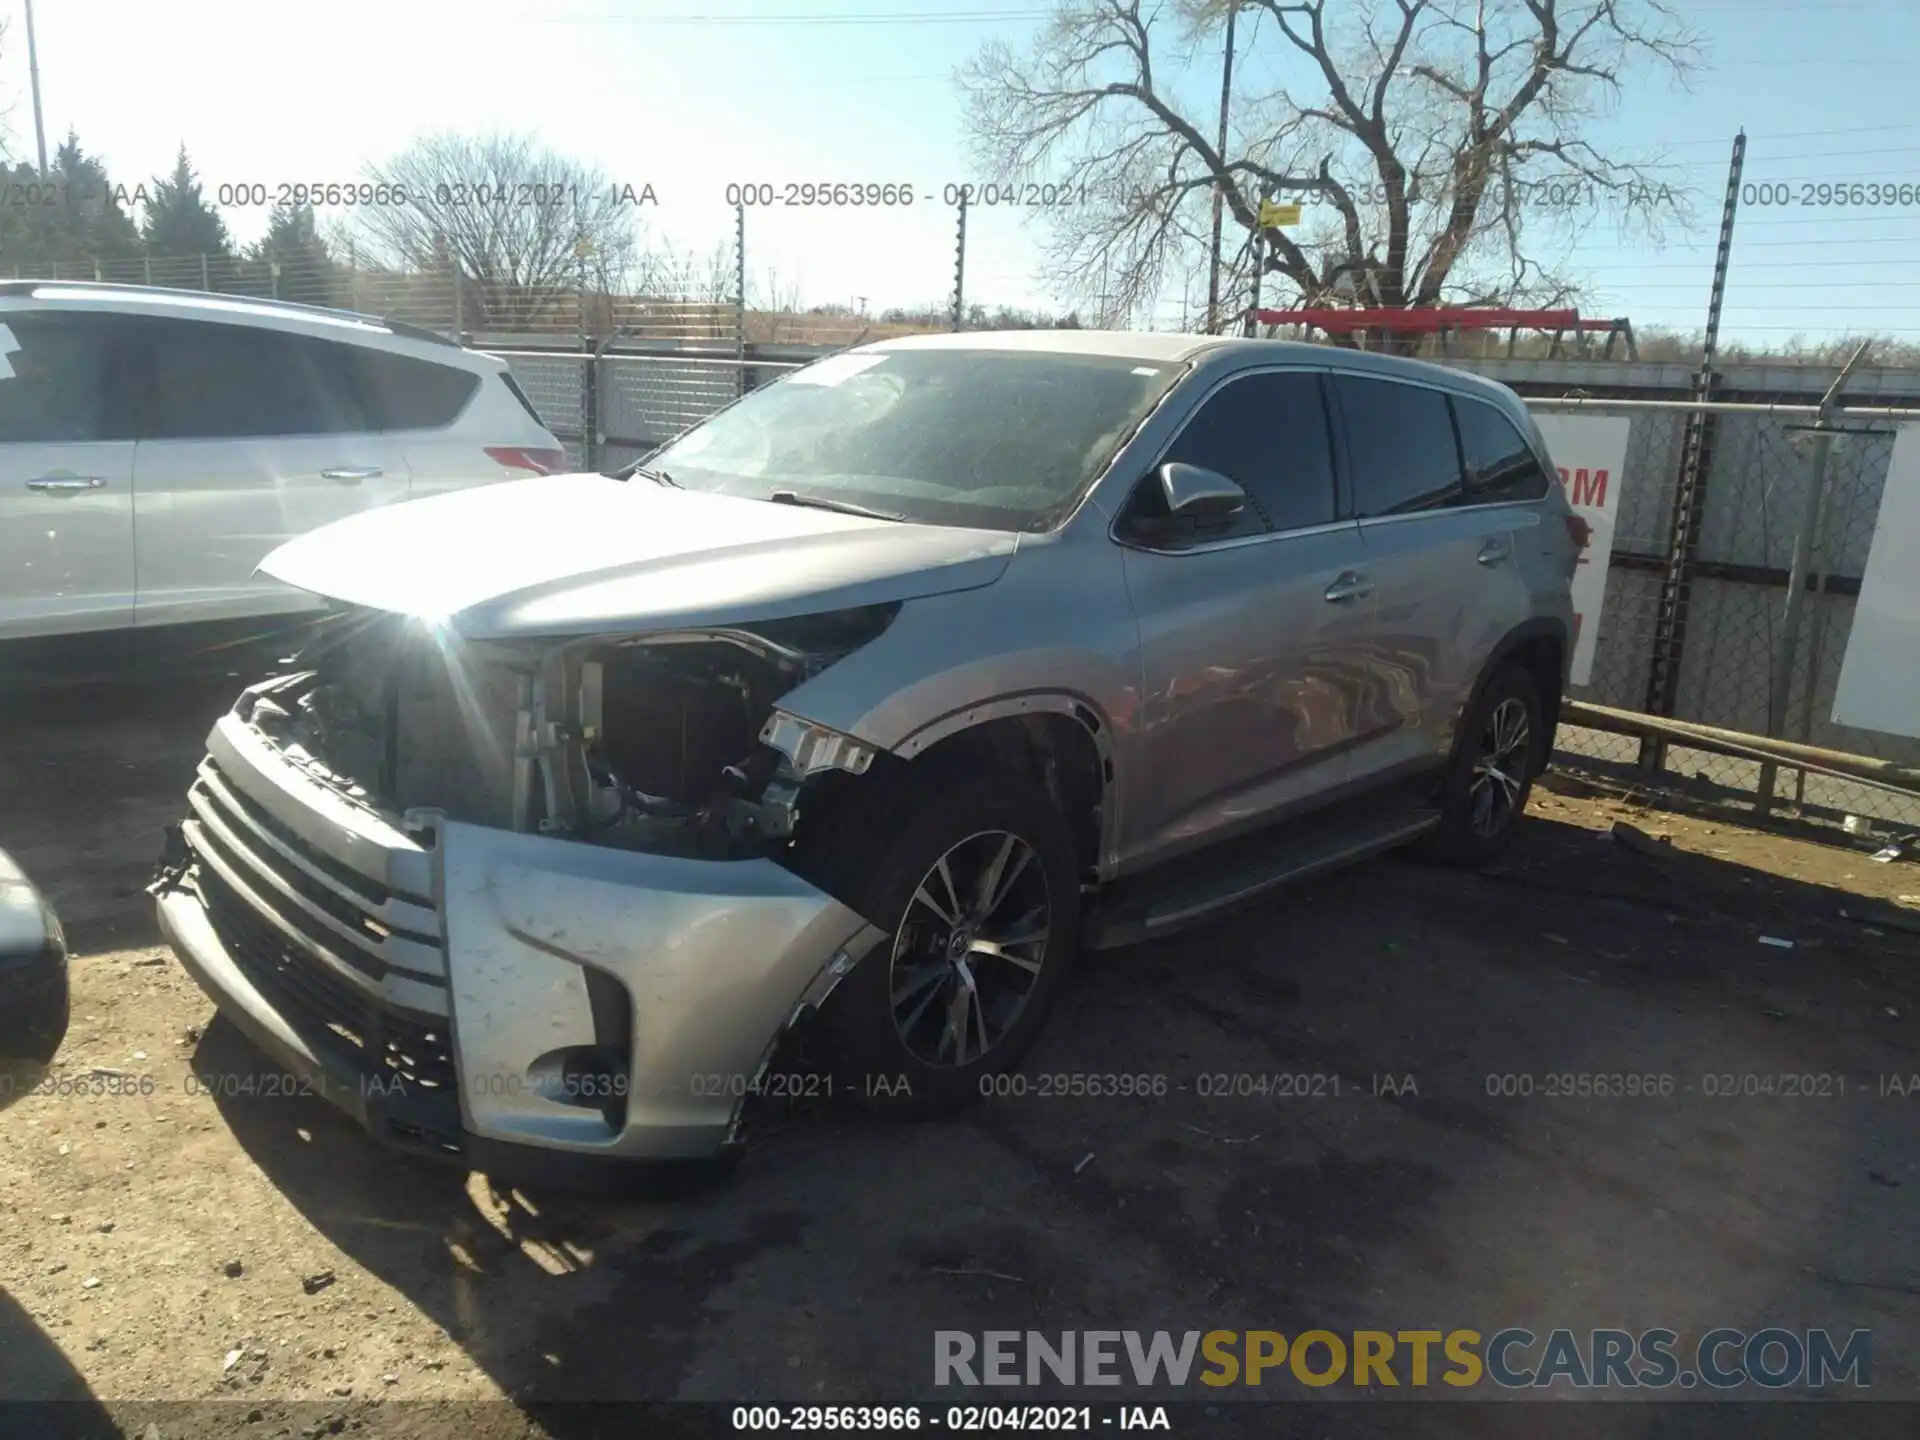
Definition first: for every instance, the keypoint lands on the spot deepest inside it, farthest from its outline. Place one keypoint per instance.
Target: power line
(844, 17)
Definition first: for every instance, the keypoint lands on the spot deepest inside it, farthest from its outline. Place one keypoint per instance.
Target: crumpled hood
(572, 554)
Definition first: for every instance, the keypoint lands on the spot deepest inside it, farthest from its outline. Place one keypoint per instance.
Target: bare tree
(1426, 139)
(526, 231)
(779, 304)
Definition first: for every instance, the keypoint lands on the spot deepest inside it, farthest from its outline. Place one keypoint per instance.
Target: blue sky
(690, 94)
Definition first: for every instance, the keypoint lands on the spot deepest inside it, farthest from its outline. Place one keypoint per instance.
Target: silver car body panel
(569, 555)
(1219, 685)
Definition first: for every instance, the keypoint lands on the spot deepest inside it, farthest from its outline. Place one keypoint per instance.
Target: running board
(1198, 887)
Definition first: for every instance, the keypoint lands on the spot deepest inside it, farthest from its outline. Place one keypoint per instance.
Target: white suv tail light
(522, 457)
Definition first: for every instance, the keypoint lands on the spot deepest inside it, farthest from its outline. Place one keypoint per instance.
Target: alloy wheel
(1499, 767)
(970, 949)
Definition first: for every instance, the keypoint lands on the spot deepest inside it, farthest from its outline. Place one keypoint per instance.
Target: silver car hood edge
(574, 554)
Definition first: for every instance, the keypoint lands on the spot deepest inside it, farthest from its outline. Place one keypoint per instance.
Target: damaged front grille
(383, 1046)
(352, 963)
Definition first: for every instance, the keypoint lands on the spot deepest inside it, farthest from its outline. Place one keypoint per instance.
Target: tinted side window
(399, 392)
(1400, 444)
(208, 381)
(1268, 434)
(60, 379)
(1500, 464)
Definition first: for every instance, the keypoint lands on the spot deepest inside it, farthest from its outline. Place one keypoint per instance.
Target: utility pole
(1219, 184)
(33, 72)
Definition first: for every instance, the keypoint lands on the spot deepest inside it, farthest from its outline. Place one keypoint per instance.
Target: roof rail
(265, 302)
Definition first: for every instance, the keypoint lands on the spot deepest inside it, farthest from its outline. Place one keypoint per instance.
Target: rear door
(249, 436)
(1441, 556)
(66, 475)
(1254, 636)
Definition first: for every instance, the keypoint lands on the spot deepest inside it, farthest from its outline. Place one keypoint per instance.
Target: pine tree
(84, 224)
(180, 223)
(293, 242)
(91, 221)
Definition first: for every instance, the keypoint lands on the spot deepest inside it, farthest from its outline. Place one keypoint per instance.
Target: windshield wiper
(659, 477)
(840, 507)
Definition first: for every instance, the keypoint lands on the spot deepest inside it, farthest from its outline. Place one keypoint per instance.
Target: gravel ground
(175, 1245)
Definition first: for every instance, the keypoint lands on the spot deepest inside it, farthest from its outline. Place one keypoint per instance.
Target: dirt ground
(171, 1244)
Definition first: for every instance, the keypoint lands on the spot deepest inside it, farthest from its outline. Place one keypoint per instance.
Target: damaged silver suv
(868, 702)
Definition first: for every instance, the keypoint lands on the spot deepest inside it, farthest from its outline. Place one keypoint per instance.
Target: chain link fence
(1747, 660)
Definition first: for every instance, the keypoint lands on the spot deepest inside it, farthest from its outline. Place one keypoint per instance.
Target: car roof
(156, 300)
(1211, 355)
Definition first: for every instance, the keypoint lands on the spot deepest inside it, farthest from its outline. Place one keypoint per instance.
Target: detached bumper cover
(427, 982)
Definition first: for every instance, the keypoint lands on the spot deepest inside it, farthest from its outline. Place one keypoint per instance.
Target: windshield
(1000, 439)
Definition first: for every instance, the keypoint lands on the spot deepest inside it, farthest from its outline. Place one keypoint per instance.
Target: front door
(66, 476)
(1253, 636)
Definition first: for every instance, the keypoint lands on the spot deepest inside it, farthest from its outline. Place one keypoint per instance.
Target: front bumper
(433, 983)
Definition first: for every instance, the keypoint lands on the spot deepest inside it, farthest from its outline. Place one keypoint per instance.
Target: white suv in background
(156, 444)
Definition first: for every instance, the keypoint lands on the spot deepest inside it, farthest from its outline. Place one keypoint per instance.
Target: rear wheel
(980, 891)
(1491, 776)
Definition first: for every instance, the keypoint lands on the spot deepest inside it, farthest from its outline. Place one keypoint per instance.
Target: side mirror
(1198, 495)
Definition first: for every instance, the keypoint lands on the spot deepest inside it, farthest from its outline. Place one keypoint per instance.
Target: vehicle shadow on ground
(90, 776)
(42, 1395)
(1358, 1214)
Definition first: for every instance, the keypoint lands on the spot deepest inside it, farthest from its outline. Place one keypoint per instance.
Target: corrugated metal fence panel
(650, 401)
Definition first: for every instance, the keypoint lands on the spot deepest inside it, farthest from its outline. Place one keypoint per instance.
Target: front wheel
(1491, 776)
(980, 889)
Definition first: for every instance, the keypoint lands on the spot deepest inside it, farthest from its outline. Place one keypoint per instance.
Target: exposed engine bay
(667, 742)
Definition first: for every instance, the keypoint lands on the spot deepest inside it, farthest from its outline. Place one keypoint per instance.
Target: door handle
(66, 484)
(1350, 587)
(1495, 550)
(353, 473)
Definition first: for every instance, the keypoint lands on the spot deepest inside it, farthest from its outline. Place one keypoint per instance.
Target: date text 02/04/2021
(953, 1419)
(874, 195)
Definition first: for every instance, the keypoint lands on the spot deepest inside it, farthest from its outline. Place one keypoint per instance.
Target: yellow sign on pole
(1273, 214)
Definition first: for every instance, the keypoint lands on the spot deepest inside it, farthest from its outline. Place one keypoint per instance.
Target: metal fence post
(590, 412)
(205, 283)
(740, 293)
(146, 269)
(459, 319)
(1793, 614)
(960, 265)
(1689, 496)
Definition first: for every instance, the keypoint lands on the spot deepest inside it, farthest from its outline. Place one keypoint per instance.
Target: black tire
(1479, 811)
(894, 1067)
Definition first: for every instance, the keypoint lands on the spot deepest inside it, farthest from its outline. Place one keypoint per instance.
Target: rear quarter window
(513, 388)
(400, 392)
(1500, 463)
